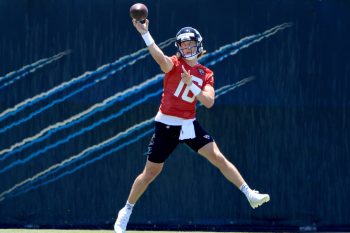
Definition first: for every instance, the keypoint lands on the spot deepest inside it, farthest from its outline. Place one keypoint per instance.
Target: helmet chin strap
(191, 57)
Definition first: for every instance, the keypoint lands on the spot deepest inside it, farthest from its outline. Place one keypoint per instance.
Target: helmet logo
(185, 36)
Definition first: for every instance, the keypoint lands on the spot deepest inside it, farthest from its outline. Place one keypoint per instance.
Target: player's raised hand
(141, 28)
(186, 76)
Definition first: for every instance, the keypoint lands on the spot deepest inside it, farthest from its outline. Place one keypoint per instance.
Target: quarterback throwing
(185, 82)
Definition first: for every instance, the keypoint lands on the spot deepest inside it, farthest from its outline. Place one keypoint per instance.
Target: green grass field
(83, 231)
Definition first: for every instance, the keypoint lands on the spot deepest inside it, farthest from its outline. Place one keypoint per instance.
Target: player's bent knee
(150, 174)
(219, 160)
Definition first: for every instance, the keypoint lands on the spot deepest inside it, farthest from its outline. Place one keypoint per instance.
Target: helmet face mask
(188, 50)
(189, 34)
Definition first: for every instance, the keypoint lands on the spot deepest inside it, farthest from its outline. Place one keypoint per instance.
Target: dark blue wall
(287, 131)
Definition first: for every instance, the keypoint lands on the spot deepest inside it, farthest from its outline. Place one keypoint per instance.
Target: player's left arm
(207, 96)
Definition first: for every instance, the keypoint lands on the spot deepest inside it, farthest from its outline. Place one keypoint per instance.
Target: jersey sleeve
(175, 61)
(209, 80)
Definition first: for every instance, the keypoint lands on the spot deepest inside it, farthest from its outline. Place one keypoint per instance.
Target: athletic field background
(72, 142)
(77, 231)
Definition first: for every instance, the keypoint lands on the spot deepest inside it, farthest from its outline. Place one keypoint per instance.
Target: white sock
(245, 189)
(129, 206)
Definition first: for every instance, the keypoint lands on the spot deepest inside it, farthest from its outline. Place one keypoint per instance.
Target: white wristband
(147, 38)
(195, 89)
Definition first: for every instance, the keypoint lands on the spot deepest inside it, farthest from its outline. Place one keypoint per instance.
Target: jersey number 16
(184, 95)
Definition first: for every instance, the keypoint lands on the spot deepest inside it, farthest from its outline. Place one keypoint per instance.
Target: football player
(185, 82)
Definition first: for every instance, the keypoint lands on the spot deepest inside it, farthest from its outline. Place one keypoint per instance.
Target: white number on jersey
(184, 95)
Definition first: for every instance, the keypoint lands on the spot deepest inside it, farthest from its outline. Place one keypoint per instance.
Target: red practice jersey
(177, 99)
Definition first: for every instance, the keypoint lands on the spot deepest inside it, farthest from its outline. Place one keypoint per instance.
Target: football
(139, 12)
